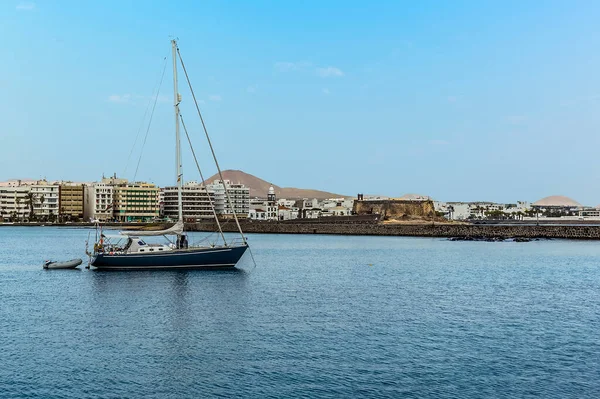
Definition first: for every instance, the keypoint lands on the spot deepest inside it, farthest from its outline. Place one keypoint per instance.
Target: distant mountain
(259, 187)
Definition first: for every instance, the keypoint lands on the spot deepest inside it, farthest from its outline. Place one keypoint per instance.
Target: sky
(458, 100)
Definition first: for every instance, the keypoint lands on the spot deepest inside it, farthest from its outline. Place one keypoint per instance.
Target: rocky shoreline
(494, 239)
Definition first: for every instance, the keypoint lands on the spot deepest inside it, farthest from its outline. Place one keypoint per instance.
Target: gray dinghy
(70, 264)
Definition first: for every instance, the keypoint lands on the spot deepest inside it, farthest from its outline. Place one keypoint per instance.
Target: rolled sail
(176, 229)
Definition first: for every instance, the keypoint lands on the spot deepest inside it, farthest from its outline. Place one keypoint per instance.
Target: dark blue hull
(194, 258)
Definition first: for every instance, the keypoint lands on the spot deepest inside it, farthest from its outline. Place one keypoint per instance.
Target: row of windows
(151, 249)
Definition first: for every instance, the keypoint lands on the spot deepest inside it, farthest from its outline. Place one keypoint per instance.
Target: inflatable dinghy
(70, 264)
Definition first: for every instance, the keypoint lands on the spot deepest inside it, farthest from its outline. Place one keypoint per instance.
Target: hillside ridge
(259, 187)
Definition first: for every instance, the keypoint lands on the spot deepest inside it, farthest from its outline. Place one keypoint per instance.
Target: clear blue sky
(477, 100)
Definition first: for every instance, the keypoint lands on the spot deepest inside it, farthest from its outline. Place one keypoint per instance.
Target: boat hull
(194, 258)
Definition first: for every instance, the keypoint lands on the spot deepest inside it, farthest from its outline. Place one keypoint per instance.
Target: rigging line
(252, 256)
(202, 177)
(237, 222)
(150, 121)
(142, 122)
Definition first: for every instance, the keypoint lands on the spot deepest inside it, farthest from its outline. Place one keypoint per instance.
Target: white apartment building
(13, 203)
(195, 199)
(45, 199)
(99, 202)
(238, 193)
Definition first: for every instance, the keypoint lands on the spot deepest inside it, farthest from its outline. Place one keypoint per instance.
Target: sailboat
(136, 254)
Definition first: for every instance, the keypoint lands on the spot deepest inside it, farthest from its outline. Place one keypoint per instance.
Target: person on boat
(182, 242)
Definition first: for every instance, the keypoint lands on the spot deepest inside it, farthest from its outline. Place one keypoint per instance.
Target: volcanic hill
(259, 187)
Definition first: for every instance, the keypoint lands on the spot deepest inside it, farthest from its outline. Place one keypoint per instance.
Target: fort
(394, 209)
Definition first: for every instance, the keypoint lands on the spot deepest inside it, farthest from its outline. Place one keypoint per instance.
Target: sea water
(319, 316)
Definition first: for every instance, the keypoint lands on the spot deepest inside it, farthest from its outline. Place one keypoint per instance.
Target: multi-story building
(13, 203)
(135, 202)
(308, 208)
(261, 209)
(195, 199)
(117, 199)
(71, 200)
(238, 193)
(45, 197)
(161, 202)
(99, 202)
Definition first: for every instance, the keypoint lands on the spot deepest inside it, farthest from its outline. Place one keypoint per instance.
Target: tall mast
(237, 222)
(177, 99)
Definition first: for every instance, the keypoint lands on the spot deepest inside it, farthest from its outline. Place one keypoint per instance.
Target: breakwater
(412, 230)
(373, 228)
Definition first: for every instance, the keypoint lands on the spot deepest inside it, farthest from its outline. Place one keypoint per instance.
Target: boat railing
(235, 242)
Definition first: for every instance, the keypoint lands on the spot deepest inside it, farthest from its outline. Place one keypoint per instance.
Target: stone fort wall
(395, 209)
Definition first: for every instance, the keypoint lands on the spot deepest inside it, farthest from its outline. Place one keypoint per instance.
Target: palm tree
(41, 201)
(18, 202)
(30, 200)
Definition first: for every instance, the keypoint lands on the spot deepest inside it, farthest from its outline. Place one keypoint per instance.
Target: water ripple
(321, 316)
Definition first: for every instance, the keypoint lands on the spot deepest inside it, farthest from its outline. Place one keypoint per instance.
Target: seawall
(421, 230)
(372, 228)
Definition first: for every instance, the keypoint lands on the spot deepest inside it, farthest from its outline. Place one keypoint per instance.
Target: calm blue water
(321, 316)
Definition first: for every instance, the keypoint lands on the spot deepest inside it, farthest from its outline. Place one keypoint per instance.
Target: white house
(257, 214)
(287, 213)
(336, 207)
